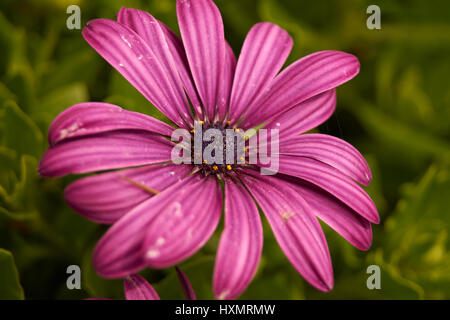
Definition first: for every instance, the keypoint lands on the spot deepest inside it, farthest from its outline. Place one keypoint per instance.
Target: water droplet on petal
(160, 241)
(152, 253)
(126, 41)
(223, 295)
(63, 133)
(177, 209)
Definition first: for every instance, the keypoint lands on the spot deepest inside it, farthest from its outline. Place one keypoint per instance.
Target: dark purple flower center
(223, 148)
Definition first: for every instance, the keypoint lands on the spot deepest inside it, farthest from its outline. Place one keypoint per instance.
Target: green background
(396, 111)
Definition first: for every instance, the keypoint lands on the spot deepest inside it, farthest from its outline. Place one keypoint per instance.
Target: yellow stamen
(228, 122)
(205, 162)
(215, 168)
(236, 130)
(228, 167)
(202, 122)
(245, 149)
(192, 131)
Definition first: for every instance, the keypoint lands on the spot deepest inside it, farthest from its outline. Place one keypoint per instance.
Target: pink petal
(345, 221)
(226, 83)
(178, 53)
(202, 32)
(95, 117)
(264, 52)
(120, 251)
(126, 51)
(106, 151)
(305, 116)
(185, 225)
(332, 151)
(332, 181)
(296, 229)
(309, 76)
(240, 245)
(151, 31)
(137, 288)
(105, 198)
(188, 292)
(125, 248)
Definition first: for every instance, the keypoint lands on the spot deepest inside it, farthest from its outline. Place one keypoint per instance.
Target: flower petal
(332, 151)
(105, 151)
(151, 31)
(264, 52)
(126, 51)
(309, 76)
(185, 225)
(345, 221)
(95, 117)
(296, 229)
(226, 84)
(179, 54)
(188, 292)
(106, 197)
(203, 36)
(242, 239)
(123, 250)
(137, 288)
(332, 181)
(305, 116)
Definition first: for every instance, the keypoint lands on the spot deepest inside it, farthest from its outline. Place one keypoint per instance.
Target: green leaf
(25, 190)
(199, 273)
(58, 100)
(395, 133)
(20, 203)
(6, 32)
(5, 94)
(66, 72)
(8, 176)
(19, 132)
(10, 288)
(275, 283)
(354, 285)
(375, 188)
(417, 240)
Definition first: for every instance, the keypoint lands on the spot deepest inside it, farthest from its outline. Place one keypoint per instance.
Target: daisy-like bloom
(137, 288)
(162, 213)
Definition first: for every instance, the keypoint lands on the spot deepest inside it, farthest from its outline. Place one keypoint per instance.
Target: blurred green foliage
(397, 112)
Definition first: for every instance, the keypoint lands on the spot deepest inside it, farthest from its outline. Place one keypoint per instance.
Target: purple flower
(137, 288)
(162, 213)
